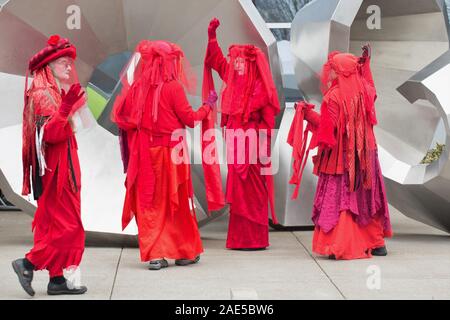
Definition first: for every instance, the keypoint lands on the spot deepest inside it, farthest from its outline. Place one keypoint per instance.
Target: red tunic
(58, 229)
(158, 189)
(246, 188)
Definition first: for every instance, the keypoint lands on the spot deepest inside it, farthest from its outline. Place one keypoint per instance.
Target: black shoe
(186, 262)
(381, 251)
(158, 264)
(332, 257)
(54, 289)
(25, 275)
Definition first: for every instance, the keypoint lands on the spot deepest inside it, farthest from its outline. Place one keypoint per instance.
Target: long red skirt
(244, 233)
(350, 224)
(249, 209)
(169, 228)
(58, 230)
(349, 240)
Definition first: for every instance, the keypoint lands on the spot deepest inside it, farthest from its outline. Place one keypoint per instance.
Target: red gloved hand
(366, 53)
(213, 25)
(70, 98)
(304, 105)
(211, 100)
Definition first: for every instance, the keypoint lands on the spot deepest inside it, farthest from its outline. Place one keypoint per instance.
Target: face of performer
(239, 65)
(62, 68)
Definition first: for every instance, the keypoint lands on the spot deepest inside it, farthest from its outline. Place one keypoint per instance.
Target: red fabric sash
(298, 139)
(211, 169)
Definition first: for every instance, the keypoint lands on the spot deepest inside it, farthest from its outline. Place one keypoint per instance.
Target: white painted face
(239, 65)
(62, 68)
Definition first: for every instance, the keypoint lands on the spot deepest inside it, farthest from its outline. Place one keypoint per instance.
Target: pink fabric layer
(333, 197)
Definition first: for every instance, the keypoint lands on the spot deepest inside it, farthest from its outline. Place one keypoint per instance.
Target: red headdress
(154, 63)
(57, 47)
(44, 88)
(248, 64)
(353, 78)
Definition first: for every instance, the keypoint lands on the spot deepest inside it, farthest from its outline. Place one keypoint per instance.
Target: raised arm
(214, 55)
(313, 117)
(58, 128)
(182, 108)
(364, 64)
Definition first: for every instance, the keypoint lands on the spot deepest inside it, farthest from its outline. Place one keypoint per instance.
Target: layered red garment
(350, 207)
(58, 230)
(249, 105)
(349, 240)
(151, 112)
(168, 228)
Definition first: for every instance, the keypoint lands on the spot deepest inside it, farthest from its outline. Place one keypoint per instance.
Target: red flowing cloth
(168, 228)
(211, 168)
(349, 240)
(298, 139)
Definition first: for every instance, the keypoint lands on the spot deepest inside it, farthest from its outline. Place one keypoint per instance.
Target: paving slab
(416, 266)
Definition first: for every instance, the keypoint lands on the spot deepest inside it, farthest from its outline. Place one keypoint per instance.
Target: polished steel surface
(410, 52)
(24, 27)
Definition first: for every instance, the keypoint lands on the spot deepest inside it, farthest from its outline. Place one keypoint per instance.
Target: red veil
(239, 87)
(153, 64)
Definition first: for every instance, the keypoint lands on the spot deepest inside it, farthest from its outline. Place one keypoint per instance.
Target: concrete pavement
(417, 267)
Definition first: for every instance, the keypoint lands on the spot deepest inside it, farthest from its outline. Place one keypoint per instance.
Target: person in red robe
(248, 108)
(350, 211)
(50, 161)
(149, 112)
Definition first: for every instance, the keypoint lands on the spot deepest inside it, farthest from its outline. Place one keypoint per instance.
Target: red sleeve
(312, 117)
(328, 122)
(260, 101)
(57, 129)
(366, 72)
(183, 110)
(333, 111)
(259, 97)
(123, 111)
(267, 118)
(215, 58)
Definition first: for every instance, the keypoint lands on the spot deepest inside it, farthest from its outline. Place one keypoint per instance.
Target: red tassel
(213, 179)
